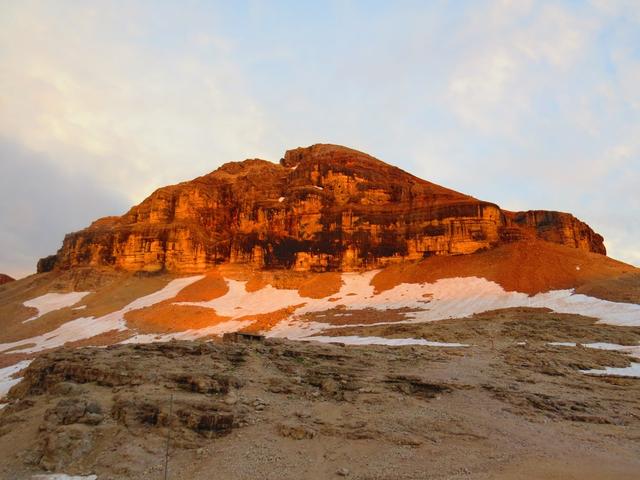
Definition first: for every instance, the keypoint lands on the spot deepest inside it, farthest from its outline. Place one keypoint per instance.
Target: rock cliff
(5, 279)
(323, 208)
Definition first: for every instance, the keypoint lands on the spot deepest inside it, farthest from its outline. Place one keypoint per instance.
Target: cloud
(90, 83)
(39, 204)
(528, 104)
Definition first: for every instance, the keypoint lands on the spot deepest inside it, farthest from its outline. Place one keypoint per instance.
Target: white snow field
(446, 298)
(87, 327)
(50, 302)
(6, 382)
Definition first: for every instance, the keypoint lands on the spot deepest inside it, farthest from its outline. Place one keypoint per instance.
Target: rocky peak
(324, 207)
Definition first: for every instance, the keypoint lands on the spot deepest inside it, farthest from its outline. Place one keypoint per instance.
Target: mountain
(322, 208)
(4, 278)
(368, 312)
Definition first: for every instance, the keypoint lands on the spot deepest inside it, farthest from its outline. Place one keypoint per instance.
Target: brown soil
(103, 340)
(504, 327)
(165, 317)
(321, 285)
(625, 288)
(591, 466)
(531, 267)
(286, 410)
(8, 359)
(340, 316)
(210, 287)
(264, 322)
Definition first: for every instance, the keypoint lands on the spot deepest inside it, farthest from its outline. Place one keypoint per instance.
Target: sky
(531, 105)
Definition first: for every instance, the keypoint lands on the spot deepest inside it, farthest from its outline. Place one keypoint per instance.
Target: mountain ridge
(322, 208)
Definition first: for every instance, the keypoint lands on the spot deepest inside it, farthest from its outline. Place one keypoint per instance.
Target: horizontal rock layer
(322, 208)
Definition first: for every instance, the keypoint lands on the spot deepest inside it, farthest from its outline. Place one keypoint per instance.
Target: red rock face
(5, 279)
(322, 208)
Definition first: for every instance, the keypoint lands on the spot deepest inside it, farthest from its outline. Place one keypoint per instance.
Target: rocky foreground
(508, 406)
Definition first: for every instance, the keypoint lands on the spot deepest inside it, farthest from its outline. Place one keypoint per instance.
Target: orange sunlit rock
(323, 208)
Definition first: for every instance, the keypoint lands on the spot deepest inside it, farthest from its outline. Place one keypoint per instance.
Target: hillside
(293, 410)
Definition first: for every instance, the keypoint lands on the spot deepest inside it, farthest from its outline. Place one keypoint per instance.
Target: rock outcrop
(322, 208)
(4, 278)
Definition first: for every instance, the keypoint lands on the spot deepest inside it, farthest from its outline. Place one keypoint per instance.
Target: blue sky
(532, 105)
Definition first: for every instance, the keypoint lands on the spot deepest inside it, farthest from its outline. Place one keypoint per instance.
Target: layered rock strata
(323, 208)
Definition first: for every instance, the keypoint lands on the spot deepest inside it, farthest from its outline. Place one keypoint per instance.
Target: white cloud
(80, 83)
(511, 50)
(531, 104)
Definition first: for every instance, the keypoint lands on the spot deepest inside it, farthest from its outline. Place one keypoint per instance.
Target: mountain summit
(323, 208)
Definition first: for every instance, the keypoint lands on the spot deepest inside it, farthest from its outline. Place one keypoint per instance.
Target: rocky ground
(509, 406)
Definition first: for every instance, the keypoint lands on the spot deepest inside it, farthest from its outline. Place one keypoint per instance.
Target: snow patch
(396, 342)
(6, 380)
(281, 199)
(237, 302)
(633, 350)
(632, 371)
(63, 476)
(448, 298)
(50, 302)
(87, 327)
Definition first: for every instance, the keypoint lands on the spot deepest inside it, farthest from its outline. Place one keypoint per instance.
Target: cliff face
(323, 207)
(555, 227)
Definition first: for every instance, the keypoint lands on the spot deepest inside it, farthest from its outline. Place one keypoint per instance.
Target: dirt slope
(531, 266)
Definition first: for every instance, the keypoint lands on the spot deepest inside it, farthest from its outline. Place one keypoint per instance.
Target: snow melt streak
(53, 301)
(631, 371)
(446, 298)
(394, 342)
